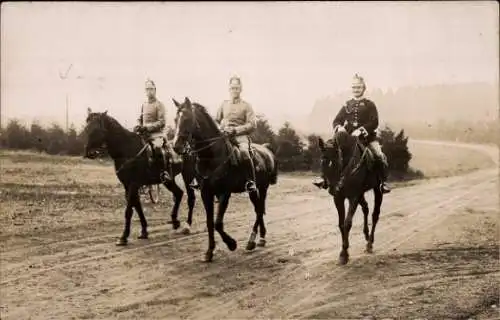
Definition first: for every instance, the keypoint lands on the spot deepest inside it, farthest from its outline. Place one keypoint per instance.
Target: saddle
(167, 156)
(367, 155)
(235, 157)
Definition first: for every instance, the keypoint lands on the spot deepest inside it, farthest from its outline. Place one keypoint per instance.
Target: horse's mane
(204, 112)
(114, 123)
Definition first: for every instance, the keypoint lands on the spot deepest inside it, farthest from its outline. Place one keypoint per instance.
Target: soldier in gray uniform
(151, 126)
(359, 117)
(237, 118)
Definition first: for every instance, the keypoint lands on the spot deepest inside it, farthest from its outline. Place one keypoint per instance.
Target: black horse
(350, 172)
(219, 175)
(127, 149)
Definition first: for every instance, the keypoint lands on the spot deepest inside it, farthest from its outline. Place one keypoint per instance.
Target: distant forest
(463, 112)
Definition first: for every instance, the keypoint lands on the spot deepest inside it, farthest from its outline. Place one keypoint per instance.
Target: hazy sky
(288, 54)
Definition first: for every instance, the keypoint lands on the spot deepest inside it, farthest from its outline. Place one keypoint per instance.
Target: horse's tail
(273, 176)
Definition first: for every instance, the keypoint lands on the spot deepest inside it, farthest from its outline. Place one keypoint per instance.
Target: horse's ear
(105, 112)
(177, 104)
(89, 111)
(187, 102)
(321, 144)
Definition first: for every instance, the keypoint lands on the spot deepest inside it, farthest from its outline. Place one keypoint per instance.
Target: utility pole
(65, 77)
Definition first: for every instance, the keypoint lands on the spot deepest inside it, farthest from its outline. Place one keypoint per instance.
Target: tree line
(294, 153)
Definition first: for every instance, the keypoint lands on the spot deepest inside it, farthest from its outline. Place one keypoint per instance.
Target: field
(436, 248)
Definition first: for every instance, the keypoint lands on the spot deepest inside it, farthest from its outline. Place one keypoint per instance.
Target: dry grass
(58, 210)
(443, 161)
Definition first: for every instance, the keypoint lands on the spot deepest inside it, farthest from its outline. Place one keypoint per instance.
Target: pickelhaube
(358, 80)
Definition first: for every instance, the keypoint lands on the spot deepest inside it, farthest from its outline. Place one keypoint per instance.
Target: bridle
(195, 127)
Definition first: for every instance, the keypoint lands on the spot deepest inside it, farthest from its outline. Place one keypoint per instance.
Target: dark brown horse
(350, 173)
(218, 175)
(127, 149)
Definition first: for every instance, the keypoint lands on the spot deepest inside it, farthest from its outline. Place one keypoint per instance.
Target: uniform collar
(358, 99)
(151, 101)
(235, 101)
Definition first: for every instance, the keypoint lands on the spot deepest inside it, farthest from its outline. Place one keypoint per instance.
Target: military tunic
(153, 117)
(238, 115)
(358, 113)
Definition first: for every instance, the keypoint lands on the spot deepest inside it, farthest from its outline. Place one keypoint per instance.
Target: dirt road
(435, 256)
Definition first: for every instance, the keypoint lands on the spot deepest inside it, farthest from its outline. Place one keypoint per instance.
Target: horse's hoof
(261, 243)
(232, 244)
(209, 255)
(369, 248)
(176, 224)
(143, 235)
(250, 245)
(122, 242)
(186, 230)
(343, 259)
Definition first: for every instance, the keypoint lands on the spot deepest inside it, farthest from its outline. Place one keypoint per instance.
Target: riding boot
(322, 183)
(250, 185)
(384, 173)
(163, 166)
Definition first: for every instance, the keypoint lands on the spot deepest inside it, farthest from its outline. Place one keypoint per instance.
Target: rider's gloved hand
(338, 128)
(229, 131)
(360, 132)
(139, 129)
(356, 133)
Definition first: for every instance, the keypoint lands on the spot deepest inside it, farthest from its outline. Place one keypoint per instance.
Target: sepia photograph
(249, 160)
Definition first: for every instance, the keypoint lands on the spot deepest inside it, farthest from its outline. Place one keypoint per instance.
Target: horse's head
(95, 133)
(185, 124)
(332, 149)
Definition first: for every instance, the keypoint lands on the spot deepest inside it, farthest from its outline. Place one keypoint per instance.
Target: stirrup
(322, 184)
(165, 177)
(250, 186)
(194, 184)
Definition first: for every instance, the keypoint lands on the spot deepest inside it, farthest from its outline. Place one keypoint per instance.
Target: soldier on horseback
(359, 117)
(151, 126)
(237, 119)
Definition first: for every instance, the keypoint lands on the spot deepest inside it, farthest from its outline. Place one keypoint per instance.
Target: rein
(349, 164)
(212, 141)
(133, 158)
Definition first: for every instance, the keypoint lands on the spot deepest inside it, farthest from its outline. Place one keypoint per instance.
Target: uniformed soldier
(237, 118)
(151, 125)
(359, 117)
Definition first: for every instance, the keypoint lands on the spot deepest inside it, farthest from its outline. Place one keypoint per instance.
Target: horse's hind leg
(178, 193)
(259, 209)
(366, 211)
(375, 215)
(219, 221)
(262, 208)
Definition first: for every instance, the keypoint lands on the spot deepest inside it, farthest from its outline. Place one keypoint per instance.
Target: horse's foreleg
(136, 203)
(191, 199)
(375, 215)
(219, 221)
(366, 211)
(128, 215)
(208, 202)
(353, 204)
(339, 204)
(178, 193)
